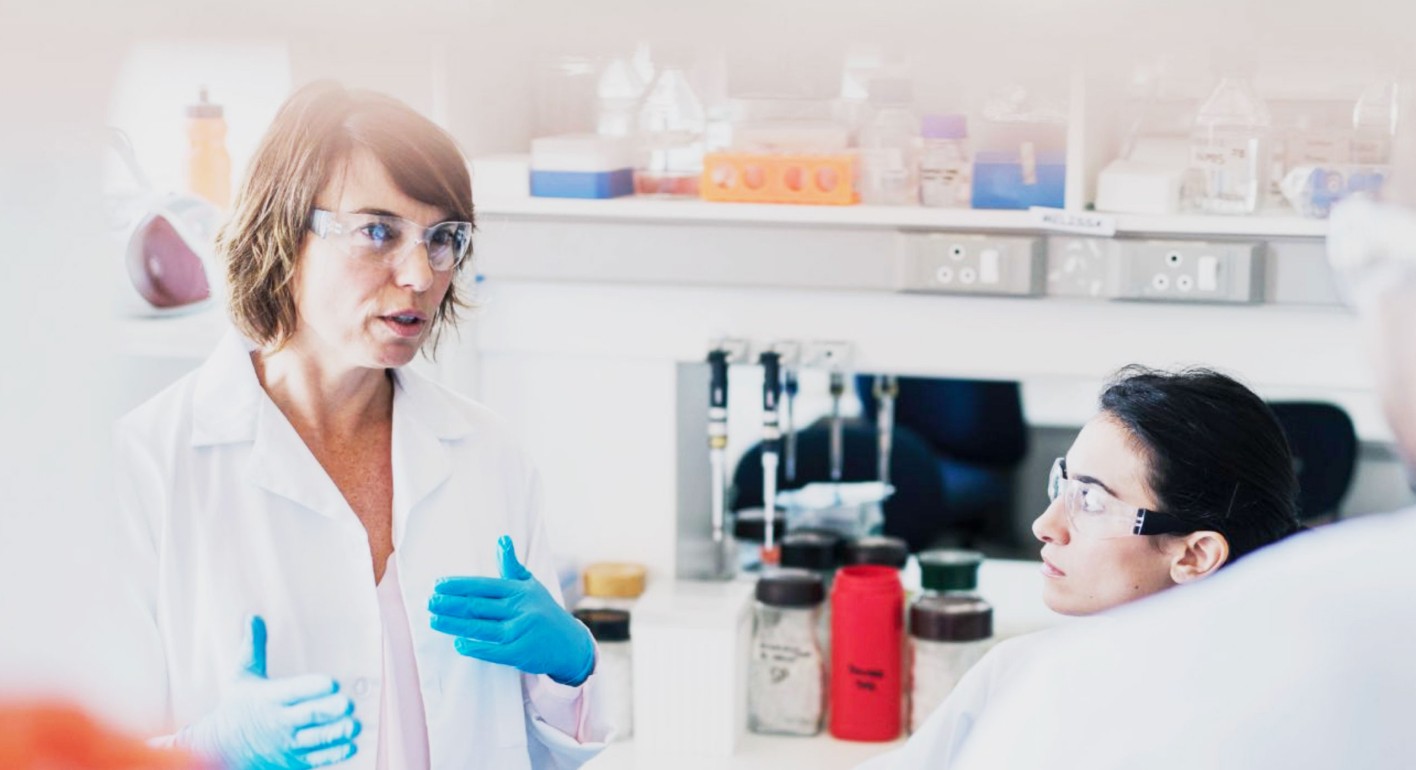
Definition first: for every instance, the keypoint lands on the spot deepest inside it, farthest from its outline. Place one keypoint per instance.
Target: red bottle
(867, 644)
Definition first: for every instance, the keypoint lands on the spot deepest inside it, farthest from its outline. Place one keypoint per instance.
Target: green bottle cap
(949, 570)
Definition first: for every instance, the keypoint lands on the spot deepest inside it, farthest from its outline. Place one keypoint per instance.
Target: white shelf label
(1079, 222)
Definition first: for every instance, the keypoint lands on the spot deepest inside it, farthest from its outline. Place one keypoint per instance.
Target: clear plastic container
(208, 164)
(948, 635)
(787, 670)
(1374, 124)
(670, 136)
(944, 162)
(614, 682)
(617, 94)
(1229, 150)
(889, 146)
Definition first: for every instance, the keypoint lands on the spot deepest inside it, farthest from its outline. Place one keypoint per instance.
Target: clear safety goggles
(388, 240)
(1372, 247)
(1095, 513)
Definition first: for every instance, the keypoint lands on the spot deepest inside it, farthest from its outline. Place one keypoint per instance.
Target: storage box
(581, 166)
(691, 643)
(1006, 180)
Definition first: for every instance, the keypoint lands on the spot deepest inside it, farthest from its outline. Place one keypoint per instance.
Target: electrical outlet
(738, 350)
(954, 263)
(1082, 267)
(826, 355)
(1190, 271)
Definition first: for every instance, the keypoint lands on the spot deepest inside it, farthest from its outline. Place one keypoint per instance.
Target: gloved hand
(514, 621)
(275, 724)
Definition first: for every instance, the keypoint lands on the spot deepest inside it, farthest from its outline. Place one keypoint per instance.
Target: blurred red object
(55, 736)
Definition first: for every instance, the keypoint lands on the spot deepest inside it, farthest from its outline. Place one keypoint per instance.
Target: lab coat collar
(228, 397)
(229, 406)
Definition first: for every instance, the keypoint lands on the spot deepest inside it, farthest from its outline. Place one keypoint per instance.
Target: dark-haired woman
(1177, 475)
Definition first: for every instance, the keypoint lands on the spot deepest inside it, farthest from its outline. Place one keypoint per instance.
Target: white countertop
(754, 752)
(1014, 588)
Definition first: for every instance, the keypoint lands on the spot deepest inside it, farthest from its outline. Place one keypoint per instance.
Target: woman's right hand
(275, 724)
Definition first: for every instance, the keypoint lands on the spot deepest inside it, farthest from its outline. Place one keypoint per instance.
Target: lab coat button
(361, 686)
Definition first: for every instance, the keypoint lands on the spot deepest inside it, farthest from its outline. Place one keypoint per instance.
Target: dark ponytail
(1218, 457)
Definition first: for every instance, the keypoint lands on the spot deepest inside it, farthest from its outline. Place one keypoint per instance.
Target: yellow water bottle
(208, 164)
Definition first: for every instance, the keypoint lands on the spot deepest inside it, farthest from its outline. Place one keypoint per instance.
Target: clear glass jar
(944, 163)
(948, 635)
(613, 667)
(787, 671)
(1229, 149)
(670, 132)
(888, 143)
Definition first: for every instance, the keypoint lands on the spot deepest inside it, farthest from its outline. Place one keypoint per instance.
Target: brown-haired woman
(325, 539)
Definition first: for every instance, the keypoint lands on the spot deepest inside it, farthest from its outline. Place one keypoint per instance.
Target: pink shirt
(403, 727)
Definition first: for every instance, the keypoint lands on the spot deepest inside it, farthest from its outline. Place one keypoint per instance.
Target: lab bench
(1013, 587)
(755, 752)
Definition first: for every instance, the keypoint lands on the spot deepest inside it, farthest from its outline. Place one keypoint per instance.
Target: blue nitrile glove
(275, 724)
(513, 620)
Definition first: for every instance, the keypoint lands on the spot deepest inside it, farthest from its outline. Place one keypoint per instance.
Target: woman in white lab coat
(1177, 476)
(328, 547)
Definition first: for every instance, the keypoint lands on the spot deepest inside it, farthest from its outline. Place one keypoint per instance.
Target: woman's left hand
(513, 620)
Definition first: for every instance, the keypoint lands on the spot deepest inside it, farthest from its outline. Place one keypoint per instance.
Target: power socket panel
(965, 263)
(1080, 266)
(1190, 271)
(826, 354)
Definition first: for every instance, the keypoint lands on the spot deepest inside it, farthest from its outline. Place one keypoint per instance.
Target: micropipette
(717, 445)
(887, 388)
(789, 424)
(838, 389)
(771, 446)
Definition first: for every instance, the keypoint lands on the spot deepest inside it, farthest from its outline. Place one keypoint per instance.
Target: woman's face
(1085, 571)
(359, 312)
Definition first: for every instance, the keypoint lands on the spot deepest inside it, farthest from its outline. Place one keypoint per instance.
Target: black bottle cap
(605, 625)
(791, 588)
(812, 549)
(885, 551)
(951, 619)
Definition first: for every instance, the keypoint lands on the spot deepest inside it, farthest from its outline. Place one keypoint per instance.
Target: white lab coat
(936, 744)
(231, 515)
(1298, 656)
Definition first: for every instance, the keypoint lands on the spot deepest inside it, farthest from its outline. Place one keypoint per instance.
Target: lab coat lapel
(422, 424)
(282, 464)
(230, 407)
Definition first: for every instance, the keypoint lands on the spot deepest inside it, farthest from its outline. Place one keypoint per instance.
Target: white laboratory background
(587, 310)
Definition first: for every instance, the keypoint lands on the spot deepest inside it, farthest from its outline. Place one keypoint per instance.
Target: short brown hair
(312, 136)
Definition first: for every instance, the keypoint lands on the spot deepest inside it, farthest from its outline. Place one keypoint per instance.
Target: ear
(1198, 554)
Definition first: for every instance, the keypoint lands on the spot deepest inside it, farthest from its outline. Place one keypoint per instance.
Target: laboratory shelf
(887, 217)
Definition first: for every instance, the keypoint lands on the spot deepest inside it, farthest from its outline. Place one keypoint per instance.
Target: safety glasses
(388, 240)
(1094, 512)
